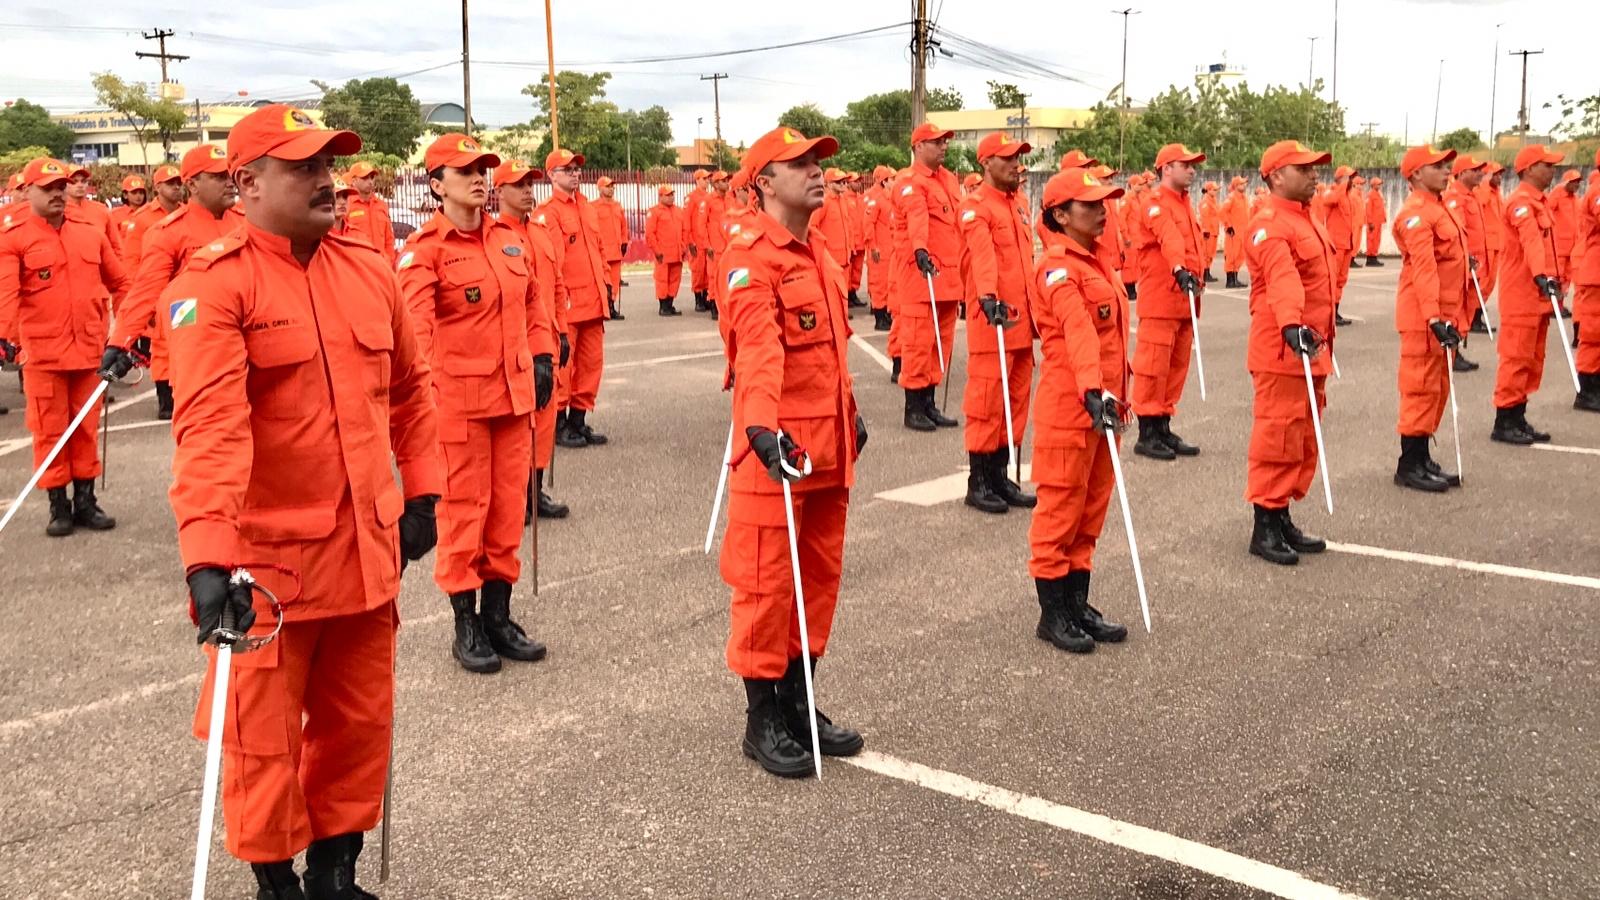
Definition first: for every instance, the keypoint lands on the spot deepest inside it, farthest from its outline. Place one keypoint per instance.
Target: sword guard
(227, 636)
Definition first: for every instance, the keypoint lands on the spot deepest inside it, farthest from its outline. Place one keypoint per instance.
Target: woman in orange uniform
(477, 314)
(1082, 319)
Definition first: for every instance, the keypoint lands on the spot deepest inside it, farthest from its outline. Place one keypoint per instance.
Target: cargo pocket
(279, 379)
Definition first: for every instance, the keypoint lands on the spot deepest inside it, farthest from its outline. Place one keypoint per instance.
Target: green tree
(1580, 117)
(808, 119)
(943, 100)
(1460, 140)
(24, 124)
(608, 137)
(381, 110)
(1006, 96)
(12, 161)
(146, 116)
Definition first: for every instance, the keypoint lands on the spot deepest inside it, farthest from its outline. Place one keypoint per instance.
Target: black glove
(1187, 282)
(115, 363)
(693, 250)
(925, 264)
(1104, 411)
(1547, 286)
(141, 351)
(1302, 340)
(1446, 333)
(659, 259)
(544, 379)
(210, 593)
(784, 461)
(8, 351)
(1229, 232)
(566, 350)
(624, 248)
(609, 298)
(995, 311)
(418, 530)
(861, 433)
(710, 254)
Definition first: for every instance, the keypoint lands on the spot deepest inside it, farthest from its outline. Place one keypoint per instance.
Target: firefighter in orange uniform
(858, 236)
(970, 183)
(1429, 310)
(1357, 204)
(1210, 228)
(1461, 198)
(1334, 208)
(713, 241)
(613, 223)
(1292, 292)
(165, 249)
(927, 203)
(572, 225)
(342, 192)
(1586, 297)
(1564, 205)
(793, 402)
(1374, 214)
(513, 183)
(166, 185)
(1494, 234)
(17, 204)
(997, 263)
(368, 211)
(878, 205)
(491, 343)
(694, 211)
(1081, 313)
(1169, 242)
(663, 234)
(1124, 220)
(135, 193)
(834, 221)
(89, 209)
(1527, 286)
(59, 275)
(1235, 217)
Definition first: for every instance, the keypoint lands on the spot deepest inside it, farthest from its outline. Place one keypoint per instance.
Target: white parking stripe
(874, 352)
(1557, 448)
(1148, 841)
(1446, 562)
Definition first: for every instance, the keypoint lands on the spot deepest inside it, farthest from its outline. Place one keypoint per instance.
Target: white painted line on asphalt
(1557, 448)
(124, 402)
(148, 423)
(671, 339)
(1445, 562)
(874, 352)
(639, 363)
(13, 445)
(57, 716)
(1220, 863)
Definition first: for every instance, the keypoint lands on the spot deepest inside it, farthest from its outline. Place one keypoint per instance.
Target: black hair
(1050, 222)
(761, 198)
(432, 174)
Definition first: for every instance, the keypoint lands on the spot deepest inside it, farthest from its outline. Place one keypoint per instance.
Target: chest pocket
(42, 265)
(802, 305)
(1100, 301)
(283, 375)
(1307, 249)
(376, 340)
(462, 283)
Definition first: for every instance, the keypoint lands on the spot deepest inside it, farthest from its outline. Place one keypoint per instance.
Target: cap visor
(935, 136)
(1103, 192)
(47, 180)
(463, 160)
(823, 147)
(1310, 158)
(524, 175)
(1010, 150)
(307, 144)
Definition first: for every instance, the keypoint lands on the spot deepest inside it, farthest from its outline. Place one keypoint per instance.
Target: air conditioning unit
(171, 90)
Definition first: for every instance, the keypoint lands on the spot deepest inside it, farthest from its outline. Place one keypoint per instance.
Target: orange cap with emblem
(782, 144)
(1289, 153)
(280, 131)
(165, 173)
(340, 186)
(1172, 153)
(1533, 154)
(133, 183)
(203, 158)
(1077, 184)
(361, 169)
(998, 143)
(928, 131)
(602, 181)
(1077, 159)
(560, 158)
(457, 151)
(1464, 163)
(1425, 155)
(44, 171)
(513, 171)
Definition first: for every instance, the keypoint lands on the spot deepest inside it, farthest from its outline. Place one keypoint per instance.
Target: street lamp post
(1122, 116)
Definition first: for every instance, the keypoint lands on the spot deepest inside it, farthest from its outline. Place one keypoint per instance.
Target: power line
(709, 54)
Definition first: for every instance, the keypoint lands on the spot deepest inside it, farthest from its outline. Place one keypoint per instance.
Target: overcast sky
(1389, 52)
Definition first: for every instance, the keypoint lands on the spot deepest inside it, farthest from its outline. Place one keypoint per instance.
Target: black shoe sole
(1106, 637)
(1586, 405)
(1155, 454)
(849, 748)
(59, 532)
(1427, 487)
(486, 668)
(1029, 503)
(1044, 635)
(1516, 439)
(535, 656)
(553, 514)
(920, 426)
(1188, 450)
(795, 771)
(1319, 547)
(1286, 561)
(980, 506)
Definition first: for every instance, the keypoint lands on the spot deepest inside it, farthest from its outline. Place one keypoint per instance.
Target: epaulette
(217, 249)
(748, 234)
(173, 216)
(8, 222)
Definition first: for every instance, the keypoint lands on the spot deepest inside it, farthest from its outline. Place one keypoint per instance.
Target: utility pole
(1494, 79)
(1369, 126)
(1311, 64)
(1335, 52)
(1522, 114)
(919, 64)
(1438, 89)
(466, 71)
(716, 99)
(160, 37)
(1122, 115)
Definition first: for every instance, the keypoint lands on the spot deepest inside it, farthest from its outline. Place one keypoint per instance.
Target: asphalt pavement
(1379, 725)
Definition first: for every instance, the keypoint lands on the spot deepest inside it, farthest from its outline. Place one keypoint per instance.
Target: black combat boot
(980, 490)
(1478, 327)
(86, 512)
(1178, 444)
(1267, 540)
(699, 301)
(1210, 278)
(1150, 442)
(1588, 398)
(1539, 437)
(1297, 539)
(916, 417)
(880, 320)
(1233, 281)
(548, 508)
(767, 739)
(714, 314)
(894, 374)
(1451, 479)
(832, 740)
(1056, 623)
(667, 309)
(616, 314)
(578, 427)
(471, 648)
(277, 881)
(1462, 364)
(1132, 287)
(331, 869)
(1355, 263)
(931, 407)
(855, 300)
(1507, 430)
(1000, 482)
(1339, 319)
(60, 513)
(1412, 470)
(505, 636)
(565, 436)
(1374, 262)
(164, 400)
(1088, 618)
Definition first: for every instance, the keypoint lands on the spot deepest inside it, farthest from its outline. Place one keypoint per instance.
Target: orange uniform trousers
(544, 420)
(1521, 344)
(588, 360)
(1488, 275)
(486, 465)
(1210, 252)
(1160, 365)
(764, 629)
(1074, 489)
(669, 277)
(1341, 273)
(305, 744)
(1232, 251)
(1586, 318)
(1424, 384)
(697, 270)
(982, 402)
(857, 260)
(614, 278)
(918, 349)
(1374, 239)
(54, 396)
(878, 283)
(1283, 441)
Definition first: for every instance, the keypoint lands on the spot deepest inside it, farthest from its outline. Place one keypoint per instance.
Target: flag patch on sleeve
(1260, 235)
(738, 278)
(1055, 276)
(182, 312)
(1413, 222)
(969, 215)
(406, 260)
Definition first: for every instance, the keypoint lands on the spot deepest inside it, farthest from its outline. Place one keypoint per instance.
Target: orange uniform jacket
(95, 213)
(1236, 214)
(15, 211)
(572, 224)
(134, 228)
(613, 227)
(716, 204)
(1494, 214)
(546, 270)
(664, 232)
(1376, 212)
(926, 202)
(293, 385)
(1587, 271)
(836, 222)
(1467, 208)
(165, 249)
(875, 219)
(1433, 267)
(1082, 317)
(997, 261)
(371, 218)
(1292, 265)
(1210, 218)
(1333, 209)
(54, 287)
(858, 220)
(1564, 214)
(478, 316)
(1530, 251)
(1167, 236)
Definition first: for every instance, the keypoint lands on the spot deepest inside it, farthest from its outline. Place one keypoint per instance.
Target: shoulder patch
(738, 278)
(907, 191)
(969, 215)
(406, 259)
(1055, 276)
(1520, 211)
(181, 313)
(1259, 236)
(1413, 222)
(1155, 211)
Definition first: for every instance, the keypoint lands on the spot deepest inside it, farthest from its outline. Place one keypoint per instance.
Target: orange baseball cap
(1077, 184)
(879, 173)
(1289, 153)
(1209, 186)
(1077, 159)
(973, 179)
(998, 143)
(133, 183)
(1102, 172)
(666, 190)
(340, 186)
(361, 169)
(1465, 163)
(513, 171)
(14, 182)
(1536, 153)
(1375, 181)
(203, 158)
(1343, 172)
(165, 173)
(1425, 155)
(602, 181)
(458, 151)
(927, 131)
(834, 175)
(1358, 180)
(1570, 176)
(701, 174)
(1495, 168)
(44, 170)
(720, 175)
(1172, 153)
(76, 169)
(855, 177)
(561, 157)
(1240, 180)
(280, 131)
(739, 180)
(784, 143)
